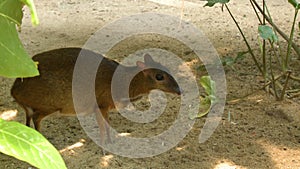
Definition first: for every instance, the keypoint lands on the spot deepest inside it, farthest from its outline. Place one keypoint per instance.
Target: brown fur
(52, 90)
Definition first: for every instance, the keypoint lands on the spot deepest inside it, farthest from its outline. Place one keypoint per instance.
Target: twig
(280, 62)
(288, 53)
(254, 91)
(264, 45)
(275, 79)
(256, 13)
(295, 78)
(285, 85)
(293, 91)
(295, 95)
(245, 40)
(279, 85)
(272, 76)
(258, 17)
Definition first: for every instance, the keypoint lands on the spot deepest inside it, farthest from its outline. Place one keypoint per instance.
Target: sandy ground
(261, 132)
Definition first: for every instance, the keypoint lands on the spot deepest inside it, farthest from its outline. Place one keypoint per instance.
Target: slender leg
(37, 117)
(28, 119)
(29, 113)
(102, 120)
(106, 124)
(101, 124)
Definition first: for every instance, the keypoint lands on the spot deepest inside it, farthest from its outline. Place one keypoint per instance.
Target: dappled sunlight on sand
(105, 160)
(74, 146)
(8, 114)
(227, 164)
(282, 155)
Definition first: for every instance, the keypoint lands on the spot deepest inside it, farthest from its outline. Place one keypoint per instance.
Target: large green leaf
(11, 10)
(14, 60)
(211, 3)
(28, 145)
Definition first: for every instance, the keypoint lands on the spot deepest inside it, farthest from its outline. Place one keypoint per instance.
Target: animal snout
(178, 90)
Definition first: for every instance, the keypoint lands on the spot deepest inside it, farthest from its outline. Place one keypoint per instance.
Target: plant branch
(288, 53)
(245, 40)
(295, 78)
(256, 13)
(295, 95)
(264, 46)
(285, 85)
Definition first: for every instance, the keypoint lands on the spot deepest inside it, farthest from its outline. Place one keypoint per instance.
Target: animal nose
(178, 90)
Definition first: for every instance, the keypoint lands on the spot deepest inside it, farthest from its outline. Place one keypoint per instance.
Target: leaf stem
(285, 84)
(272, 74)
(10, 18)
(245, 40)
(264, 46)
(288, 53)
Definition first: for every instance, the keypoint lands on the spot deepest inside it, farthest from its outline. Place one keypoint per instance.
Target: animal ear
(148, 58)
(141, 65)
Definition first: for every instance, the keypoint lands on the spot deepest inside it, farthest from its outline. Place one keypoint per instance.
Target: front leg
(102, 120)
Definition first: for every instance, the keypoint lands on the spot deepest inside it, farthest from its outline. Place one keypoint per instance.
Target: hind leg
(101, 124)
(106, 125)
(37, 118)
(102, 120)
(28, 119)
(29, 114)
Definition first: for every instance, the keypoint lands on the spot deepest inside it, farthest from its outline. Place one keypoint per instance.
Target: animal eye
(159, 77)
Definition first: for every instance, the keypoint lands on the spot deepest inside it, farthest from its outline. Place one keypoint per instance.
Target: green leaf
(227, 61)
(211, 3)
(26, 144)
(11, 10)
(204, 108)
(210, 98)
(240, 56)
(208, 85)
(14, 60)
(267, 33)
(295, 4)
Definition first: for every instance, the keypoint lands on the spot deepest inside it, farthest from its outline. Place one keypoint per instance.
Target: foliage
(28, 145)
(295, 3)
(211, 3)
(17, 140)
(269, 33)
(230, 61)
(15, 62)
(210, 99)
(226, 61)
